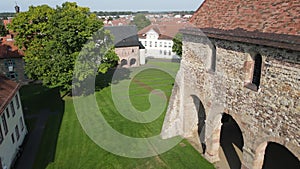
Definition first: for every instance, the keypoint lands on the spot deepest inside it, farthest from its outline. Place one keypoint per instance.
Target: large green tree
(53, 39)
(141, 21)
(177, 44)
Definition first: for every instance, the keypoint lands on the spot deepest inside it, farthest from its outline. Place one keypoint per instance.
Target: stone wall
(271, 114)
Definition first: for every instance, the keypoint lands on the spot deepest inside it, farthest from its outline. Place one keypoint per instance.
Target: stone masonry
(269, 114)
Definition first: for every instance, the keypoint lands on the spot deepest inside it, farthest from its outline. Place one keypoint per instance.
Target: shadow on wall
(231, 137)
(278, 157)
(201, 121)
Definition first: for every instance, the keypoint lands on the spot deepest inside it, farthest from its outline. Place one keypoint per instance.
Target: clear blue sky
(109, 5)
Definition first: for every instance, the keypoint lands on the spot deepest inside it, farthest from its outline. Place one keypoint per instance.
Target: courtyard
(57, 139)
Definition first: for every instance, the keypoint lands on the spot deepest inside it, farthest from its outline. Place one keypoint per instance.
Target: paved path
(34, 137)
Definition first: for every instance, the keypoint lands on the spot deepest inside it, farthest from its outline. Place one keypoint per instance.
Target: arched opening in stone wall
(201, 121)
(231, 141)
(278, 157)
(123, 62)
(213, 58)
(132, 62)
(257, 70)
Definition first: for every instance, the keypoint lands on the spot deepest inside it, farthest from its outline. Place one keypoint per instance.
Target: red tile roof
(273, 23)
(9, 50)
(165, 30)
(268, 16)
(8, 89)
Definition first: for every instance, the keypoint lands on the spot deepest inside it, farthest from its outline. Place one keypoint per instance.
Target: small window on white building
(17, 101)
(170, 44)
(145, 43)
(7, 113)
(21, 123)
(12, 138)
(160, 44)
(1, 135)
(165, 44)
(150, 44)
(4, 123)
(12, 108)
(17, 132)
(155, 44)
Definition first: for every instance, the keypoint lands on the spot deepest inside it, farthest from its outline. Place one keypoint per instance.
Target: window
(145, 43)
(1, 135)
(169, 52)
(7, 113)
(12, 75)
(150, 44)
(257, 70)
(160, 44)
(170, 44)
(12, 138)
(10, 64)
(165, 52)
(4, 124)
(160, 51)
(165, 44)
(253, 67)
(132, 50)
(213, 58)
(21, 123)
(17, 101)
(155, 44)
(17, 132)
(12, 108)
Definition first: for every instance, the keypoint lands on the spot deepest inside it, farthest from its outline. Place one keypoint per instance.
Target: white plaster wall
(8, 150)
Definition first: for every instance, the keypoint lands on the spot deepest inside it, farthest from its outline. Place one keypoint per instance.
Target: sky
(109, 5)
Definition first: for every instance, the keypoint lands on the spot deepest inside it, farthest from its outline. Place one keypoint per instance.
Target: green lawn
(74, 149)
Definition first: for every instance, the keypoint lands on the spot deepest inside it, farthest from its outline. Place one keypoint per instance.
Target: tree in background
(3, 30)
(141, 21)
(52, 39)
(177, 44)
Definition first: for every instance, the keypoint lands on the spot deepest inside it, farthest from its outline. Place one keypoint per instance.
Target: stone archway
(231, 141)
(132, 62)
(277, 157)
(123, 62)
(201, 121)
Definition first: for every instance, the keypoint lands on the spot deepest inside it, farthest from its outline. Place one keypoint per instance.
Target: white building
(158, 40)
(12, 125)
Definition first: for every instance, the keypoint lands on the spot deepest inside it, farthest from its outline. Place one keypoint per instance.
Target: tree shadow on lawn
(45, 107)
(105, 80)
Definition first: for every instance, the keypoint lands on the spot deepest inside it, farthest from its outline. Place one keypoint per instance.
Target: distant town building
(158, 39)
(127, 45)
(11, 58)
(12, 125)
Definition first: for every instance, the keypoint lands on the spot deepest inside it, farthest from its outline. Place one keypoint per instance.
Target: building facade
(158, 39)
(237, 90)
(11, 58)
(12, 125)
(127, 45)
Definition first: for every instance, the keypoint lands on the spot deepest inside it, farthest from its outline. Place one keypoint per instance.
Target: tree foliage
(177, 44)
(53, 39)
(141, 21)
(3, 30)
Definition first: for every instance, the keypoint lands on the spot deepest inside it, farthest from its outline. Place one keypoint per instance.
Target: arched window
(257, 70)
(213, 59)
(253, 68)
